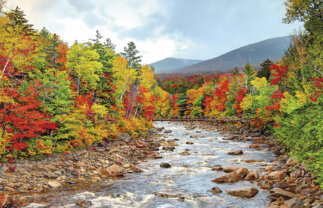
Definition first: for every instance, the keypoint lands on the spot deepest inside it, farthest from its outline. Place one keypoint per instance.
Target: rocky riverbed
(184, 165)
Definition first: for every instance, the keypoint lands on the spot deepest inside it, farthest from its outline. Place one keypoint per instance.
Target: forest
(56, 98)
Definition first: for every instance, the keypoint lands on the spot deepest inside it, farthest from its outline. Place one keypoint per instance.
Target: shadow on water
(185, 184)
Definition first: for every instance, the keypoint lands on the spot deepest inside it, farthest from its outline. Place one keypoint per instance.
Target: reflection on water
(185, 184)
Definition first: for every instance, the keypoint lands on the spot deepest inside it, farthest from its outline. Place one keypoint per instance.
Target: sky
(191, 29)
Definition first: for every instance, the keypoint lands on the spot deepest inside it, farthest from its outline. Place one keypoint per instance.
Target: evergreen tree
(97, 45)
(108, 44)
(250, 72)
(17, 19)
(235, 71)
(264, 71)
(131, 54)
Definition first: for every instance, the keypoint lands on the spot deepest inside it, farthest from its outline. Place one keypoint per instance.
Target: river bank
(196, 153)
(105, 160)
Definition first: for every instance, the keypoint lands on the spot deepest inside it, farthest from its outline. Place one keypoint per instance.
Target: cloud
(163, 28)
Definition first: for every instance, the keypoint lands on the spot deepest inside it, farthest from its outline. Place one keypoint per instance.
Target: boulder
(168, 131)
(277, 175)
(189, 143)
(254, 146)
(113, 170)
(54, 184)
(265, 184)
(252, 175)
(217, 168)
(231, 138)
(277, 193)
(153, 131)
(165, 165)
(215, 190)
(160, 129)
(242, 172)
(238, 152)
(185, 153)
(247, 192)
(123, 137)
(258, 140)
(230, 169)
(294, 203)
(84, 203)
(228, 178)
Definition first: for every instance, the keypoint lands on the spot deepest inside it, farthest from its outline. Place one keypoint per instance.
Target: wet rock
(231, 138)
(269, 168)
(217, 168)
(158, 156)
(230, 169)
(123, 137)
(247, 192)
(185, 153)
(277, 193)
(165, 165)
(4, 200)
(254, 146)
(153, 131)
(277, 175)
(84, 203)
(166, 195)
(160, 129)
(294, 203)
(252, 175)
(238, 152)
(113, 170)
(280, 185)
(215, 190)
(258, 140)
(228, 178)
(168, 131)
(265, 184)
(54, 184)
(242, 172)
(189, 143)
(249, 161)
(51, 175)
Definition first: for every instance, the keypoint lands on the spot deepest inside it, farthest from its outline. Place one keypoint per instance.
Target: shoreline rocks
(247, 192)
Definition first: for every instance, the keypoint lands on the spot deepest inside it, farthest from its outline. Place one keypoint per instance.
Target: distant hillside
(253, 54)
(168, 64)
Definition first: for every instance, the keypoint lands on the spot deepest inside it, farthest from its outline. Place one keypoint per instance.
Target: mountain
(168, 64)
(254, 54)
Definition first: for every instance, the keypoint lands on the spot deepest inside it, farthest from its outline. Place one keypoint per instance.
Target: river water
(185, 184)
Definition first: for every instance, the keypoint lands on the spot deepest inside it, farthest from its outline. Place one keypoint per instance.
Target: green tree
(17, 18)
(83, 62)
(131, 54)
(264, 70)
(235, 71)
(250, 72)
(108, 44)
(308, 11)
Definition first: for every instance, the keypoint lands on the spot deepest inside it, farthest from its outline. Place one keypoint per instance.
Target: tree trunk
(4, 68)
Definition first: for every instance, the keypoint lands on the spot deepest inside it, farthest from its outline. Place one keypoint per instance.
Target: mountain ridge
(254, 54)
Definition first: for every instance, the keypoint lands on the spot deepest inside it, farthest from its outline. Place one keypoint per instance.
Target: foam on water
(187, 181)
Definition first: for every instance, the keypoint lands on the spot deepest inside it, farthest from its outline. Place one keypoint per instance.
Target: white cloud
(161, 28)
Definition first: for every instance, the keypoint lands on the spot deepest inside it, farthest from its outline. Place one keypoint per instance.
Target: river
(185, 184)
